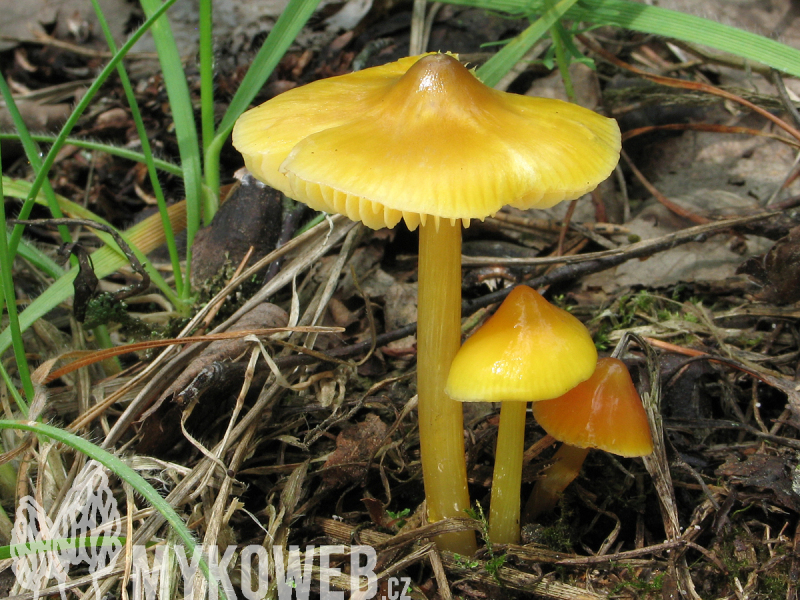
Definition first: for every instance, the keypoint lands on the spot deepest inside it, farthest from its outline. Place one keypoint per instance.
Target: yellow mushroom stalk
(567, 464)
(441, 422)
(422, 140)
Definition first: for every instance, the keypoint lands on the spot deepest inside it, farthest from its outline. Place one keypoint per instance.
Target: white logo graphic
(86, 531)
(88, 511)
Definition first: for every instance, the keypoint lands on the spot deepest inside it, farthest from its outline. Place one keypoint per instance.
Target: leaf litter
(320, 444)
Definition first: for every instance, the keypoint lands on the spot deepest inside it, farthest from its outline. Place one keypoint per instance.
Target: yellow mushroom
(603, 412)
(424, 141)
(529, 350)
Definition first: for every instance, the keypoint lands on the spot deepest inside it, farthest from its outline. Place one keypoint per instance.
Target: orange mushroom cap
(603, 412)
(422, 137)
(529, 350)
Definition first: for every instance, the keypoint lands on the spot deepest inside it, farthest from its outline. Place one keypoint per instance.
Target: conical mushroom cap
(529, 350)
(423, 137)
(603, 412)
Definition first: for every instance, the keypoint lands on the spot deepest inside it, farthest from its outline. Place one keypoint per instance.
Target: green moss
(647, 587)
(774, 587)
(104, 309)
(691, 317)
(559, 533)
(747, 340)
(601, 339)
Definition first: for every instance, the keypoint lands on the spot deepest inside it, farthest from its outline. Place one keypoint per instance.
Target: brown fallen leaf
(355, 445)
(766, 472)
(778, 271)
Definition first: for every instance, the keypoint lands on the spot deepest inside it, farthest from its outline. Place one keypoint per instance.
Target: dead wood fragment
(249, 218)
(473, 569)
(767, 472)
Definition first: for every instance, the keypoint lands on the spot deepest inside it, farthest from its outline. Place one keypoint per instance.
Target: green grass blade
(18, 399)
(289, 24)
(142, 132)
(558, 35)
(180, 103)
(118, 151)
(663, 22)
(32, 152)
(39, 259)
(47, 164)
(501, 63)
(124, 472)
(9, 297)
(205, 27)
(19, 550)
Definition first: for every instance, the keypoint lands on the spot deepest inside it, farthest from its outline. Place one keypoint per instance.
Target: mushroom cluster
(424, 141)
(532, 351)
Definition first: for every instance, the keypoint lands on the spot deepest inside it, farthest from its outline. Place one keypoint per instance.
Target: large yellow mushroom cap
(423, 137)
(529, 350)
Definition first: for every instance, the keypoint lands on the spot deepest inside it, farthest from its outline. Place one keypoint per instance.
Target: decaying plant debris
(300, 428)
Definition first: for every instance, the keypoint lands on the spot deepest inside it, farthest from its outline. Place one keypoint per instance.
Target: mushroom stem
(555, 479)
(507, 479)
(441, 421)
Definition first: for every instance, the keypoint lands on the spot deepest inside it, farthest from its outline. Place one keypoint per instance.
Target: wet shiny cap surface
(529, 350)
(603, 412)
(423, 137)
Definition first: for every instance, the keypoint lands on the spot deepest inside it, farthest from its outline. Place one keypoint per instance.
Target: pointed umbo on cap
(603, 412)
(529, 350)
(422, 137)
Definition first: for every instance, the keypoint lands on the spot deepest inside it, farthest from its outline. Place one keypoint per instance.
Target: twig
(124, 292)
(689, 85)
(555, 225)
(537, 448)
(790, 388)
(577, 266)
(777, 81)
(610, 258)
(563, 233)
(510, 577)
(708, 127)
(439, 573)
(669, 204)
(617, 557)
(794, 570)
